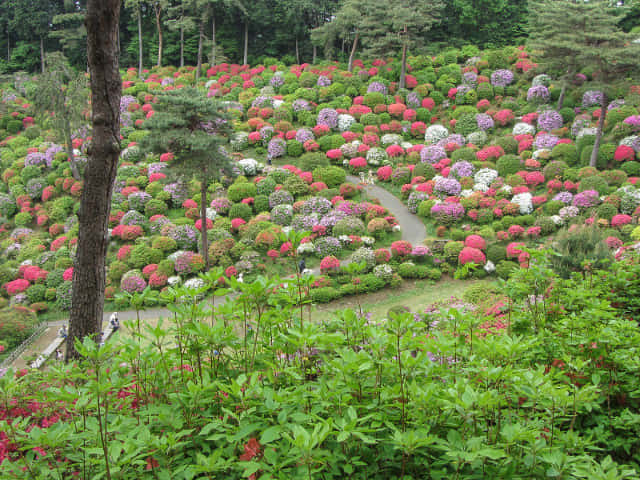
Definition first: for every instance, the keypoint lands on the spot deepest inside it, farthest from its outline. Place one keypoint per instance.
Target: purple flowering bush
(304, 223)
(462, 169)
(447, 213)
(282, 214)
(592, 98)
(586, 199)
(484, 121)
(328, 117)
(502, 78)
(545, 140)
(564, 197)
(447, 187)
(318, 205)
(277, 147)
(327, 245)
(432, 154)
(377, 87)
(186, 237)
(414, 200)
(538, 95)
(280, 197)
(133, 217)
(133, 282)
(549, 120)
(304, 134)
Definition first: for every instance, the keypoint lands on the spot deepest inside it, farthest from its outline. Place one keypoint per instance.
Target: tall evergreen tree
(194, 129)
(61, 95)
(556, 32)
(137, 6)
(68, 27)
(31, 19)
(102, 21)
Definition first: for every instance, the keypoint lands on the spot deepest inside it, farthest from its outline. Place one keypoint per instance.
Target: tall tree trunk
(158, 12)
(596, 145)
(42, 54)
(140, 68)
(203, 218)
(562, 93)
(246, 42)
(213, 39)
(297, 52)
(315, 54)
(200, 39)
(353, 52)
(181, 46)
(8, 44)
(403, 66)
(102, 22)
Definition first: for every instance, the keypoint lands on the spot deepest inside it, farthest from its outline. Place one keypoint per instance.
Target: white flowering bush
(537, 153)
(522, 128)
(557, 219)
(174, 256)
(466, 193)
(489, 267)
(239, 141)
(586, 131)
(345, 121)
(524, 201)
(384, 272)
(632, 141)
(435, 133)
(305, 248)
(350, 150)
(368, 241)
(506, 189)
(480, 187)
(375, 156)
(629, 199)
(391, 139)
(277, 103)
(478, 138)
(211, 213)
(485, 176)
(541, 79)
(174, 281)
(249, 166)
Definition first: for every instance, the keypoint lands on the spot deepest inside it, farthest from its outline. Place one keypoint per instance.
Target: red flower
(251, 450)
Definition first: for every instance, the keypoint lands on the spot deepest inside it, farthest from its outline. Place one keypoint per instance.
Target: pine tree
(194, 129)
(61, 96)
(556, 31)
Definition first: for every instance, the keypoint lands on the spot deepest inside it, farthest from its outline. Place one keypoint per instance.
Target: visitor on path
(302, 266)
(62, 333)
(58, 354)
(114, 322)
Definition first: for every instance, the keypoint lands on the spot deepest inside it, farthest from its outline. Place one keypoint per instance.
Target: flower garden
(473, 146)
(537, 379)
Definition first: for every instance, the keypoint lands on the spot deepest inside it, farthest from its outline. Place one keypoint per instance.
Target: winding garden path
(412, 230)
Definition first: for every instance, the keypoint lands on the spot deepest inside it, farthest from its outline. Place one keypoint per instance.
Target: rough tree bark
(42, 54)
(102, 23)
(403, 67)
(596, 145)
(181, 46)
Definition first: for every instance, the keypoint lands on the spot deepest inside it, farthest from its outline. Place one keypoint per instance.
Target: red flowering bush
(382, 255)
(401, 248)
(620, 220)
(384, 173)
(504, 117)
(16, 286)
(514, 249)
(624, 153)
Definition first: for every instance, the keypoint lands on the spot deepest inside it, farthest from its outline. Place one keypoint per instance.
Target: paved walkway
(412, 230)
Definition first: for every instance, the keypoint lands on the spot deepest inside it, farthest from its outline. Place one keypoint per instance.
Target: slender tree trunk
(42, 54)
(246, 42)
(102, 22)
(213, 39)
(200, 39)
(353, 51)
(203, 218)
(562, 93)
(140, 68)
(181, 46)
(596, 144)
(8, 45)
(403, 66)
(297, 52)
(158, 12)
(315, 54)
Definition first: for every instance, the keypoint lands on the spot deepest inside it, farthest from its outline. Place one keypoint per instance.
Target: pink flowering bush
(329, 264)
(620, 220)
(401, 248)
(16, 286)
(471, 255)
(475, 241)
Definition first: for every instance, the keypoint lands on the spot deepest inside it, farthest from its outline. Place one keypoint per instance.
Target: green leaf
(270, 434)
